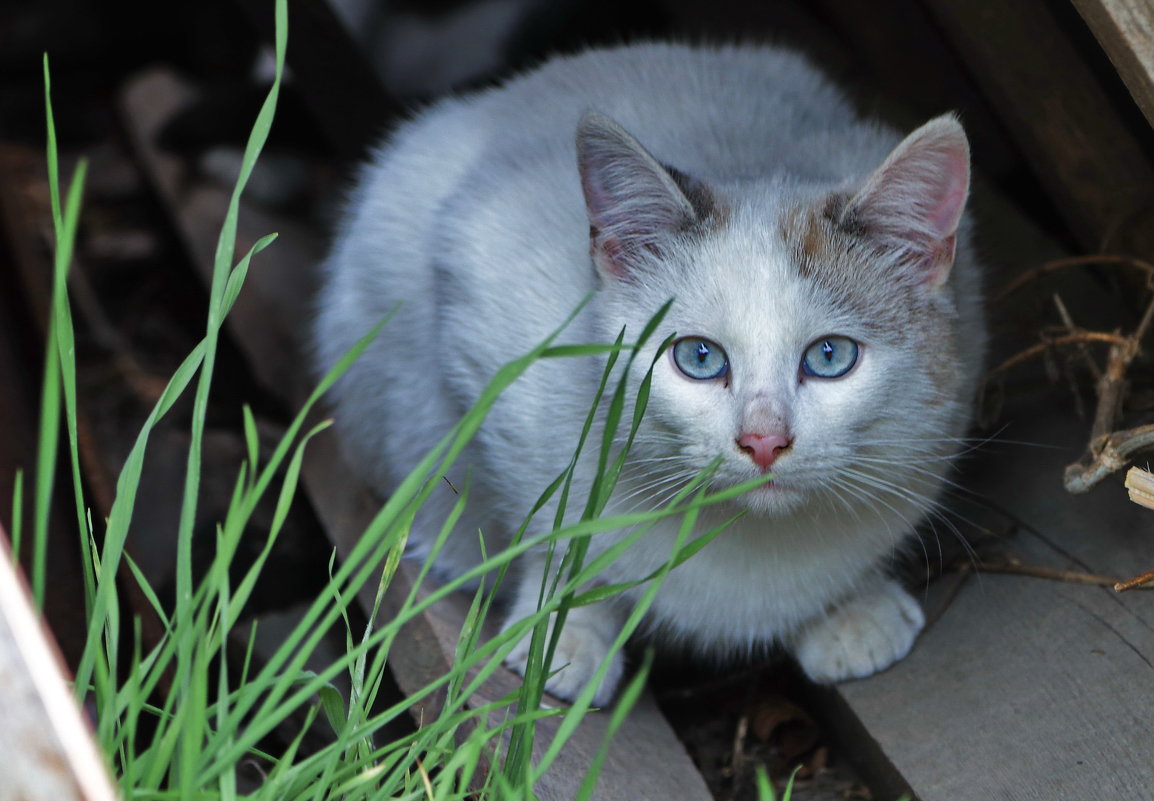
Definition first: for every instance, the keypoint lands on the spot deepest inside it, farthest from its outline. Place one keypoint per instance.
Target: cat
(828, 321)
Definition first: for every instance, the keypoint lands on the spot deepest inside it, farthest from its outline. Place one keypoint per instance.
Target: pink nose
(764, 448)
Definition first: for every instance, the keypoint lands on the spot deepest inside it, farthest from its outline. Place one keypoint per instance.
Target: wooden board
(49, 753)
(1027, 688)
(648, 761)
(1095, 166)
(1023, 688)
(1125, 29)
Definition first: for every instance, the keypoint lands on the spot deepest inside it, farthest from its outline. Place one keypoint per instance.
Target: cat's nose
(764, 448)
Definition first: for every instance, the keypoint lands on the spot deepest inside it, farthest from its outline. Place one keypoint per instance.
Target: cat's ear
(913, 202)
(632, 200)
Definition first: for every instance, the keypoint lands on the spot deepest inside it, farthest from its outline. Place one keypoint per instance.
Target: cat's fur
(779, 218)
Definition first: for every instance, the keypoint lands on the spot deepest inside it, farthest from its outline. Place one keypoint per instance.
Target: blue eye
(830, 357)
(700, 359)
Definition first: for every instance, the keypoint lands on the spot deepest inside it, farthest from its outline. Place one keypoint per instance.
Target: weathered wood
(1024, 688)
(647, 762)
(49, 753)
(1140, 484)
(1033, 689)
(1125, 29)
(1083, 151)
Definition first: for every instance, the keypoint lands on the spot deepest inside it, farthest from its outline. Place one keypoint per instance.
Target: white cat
(826, 307)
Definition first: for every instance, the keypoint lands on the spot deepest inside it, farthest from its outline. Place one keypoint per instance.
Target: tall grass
(175, 718)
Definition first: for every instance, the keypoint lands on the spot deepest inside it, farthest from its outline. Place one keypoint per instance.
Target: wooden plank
(49, 753)
(1080, 146)
(1125, 29)
(647, 762)
(1024, 688)
(1047, 686)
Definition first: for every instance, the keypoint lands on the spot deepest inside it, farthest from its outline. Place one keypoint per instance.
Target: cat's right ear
(913, 202)
(632, 200)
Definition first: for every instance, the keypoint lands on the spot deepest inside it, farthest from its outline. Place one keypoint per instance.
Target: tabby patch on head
(896, 234)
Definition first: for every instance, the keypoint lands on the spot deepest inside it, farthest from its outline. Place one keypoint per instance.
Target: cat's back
(472, 179)
(729, 111)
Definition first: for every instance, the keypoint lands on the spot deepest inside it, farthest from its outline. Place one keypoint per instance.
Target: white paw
(585, 641)
(867, 634)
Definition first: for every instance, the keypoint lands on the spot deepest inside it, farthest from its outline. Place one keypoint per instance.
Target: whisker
(933, 512)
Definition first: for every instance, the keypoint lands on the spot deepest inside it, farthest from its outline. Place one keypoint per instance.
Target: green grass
(176, 719)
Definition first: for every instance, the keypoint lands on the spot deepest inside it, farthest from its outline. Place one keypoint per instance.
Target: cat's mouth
(776, 497)
(775, 486)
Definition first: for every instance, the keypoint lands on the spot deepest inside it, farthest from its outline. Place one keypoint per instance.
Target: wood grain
(49, 753)
(1125, 29)
(1026, 688)
(1084, 152)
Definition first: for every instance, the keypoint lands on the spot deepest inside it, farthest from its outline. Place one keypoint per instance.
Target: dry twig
(1107, 455)
(1067, 576)
(1101, 259)
(1083, 349)
(1108, 450)
(1057, 342)
(1141, 582)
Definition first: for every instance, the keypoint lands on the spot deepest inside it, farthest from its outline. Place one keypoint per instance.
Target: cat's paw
(584, 642)
(867, 634)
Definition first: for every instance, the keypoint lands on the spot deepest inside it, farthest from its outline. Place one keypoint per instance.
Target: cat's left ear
(914, 201)
(634, 203)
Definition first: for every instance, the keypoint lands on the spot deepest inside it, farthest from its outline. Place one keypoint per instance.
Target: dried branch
(1108, 450)
(1137, 583)
(1077, 261)
(1067, 576)
(1107, 455)
(1056, 342)
(1068, 321)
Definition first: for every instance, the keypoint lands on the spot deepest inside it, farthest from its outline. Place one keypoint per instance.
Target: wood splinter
(1140, 484)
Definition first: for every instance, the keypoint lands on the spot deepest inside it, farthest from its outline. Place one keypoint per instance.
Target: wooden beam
(49, 753)
(1083, 150)
(1125, 29)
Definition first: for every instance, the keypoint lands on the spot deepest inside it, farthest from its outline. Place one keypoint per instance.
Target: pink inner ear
(914, 201)
(953, 186)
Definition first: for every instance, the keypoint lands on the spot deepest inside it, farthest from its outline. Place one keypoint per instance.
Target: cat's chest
(759, 579)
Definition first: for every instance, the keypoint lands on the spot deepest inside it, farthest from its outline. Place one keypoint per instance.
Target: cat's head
(817, 334)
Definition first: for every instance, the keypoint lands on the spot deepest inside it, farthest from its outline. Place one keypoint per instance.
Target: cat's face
(838, 393)
(816, 334)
